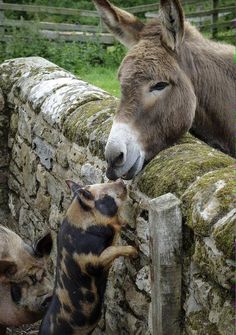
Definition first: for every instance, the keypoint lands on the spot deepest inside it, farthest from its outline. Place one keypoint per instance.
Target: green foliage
(91, 61)
(72, 56)
(20, 46)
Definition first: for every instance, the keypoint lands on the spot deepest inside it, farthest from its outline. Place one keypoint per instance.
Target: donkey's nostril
(119, 160)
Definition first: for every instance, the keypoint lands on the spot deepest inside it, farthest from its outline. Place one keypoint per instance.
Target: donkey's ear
(123, 25)
(172, 17)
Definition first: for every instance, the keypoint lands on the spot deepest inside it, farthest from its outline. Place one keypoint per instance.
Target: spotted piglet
(85, 254)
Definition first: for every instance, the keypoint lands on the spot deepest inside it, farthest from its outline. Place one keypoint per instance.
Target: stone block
(41, 176)
(62, 152)
(24, 125)
(143, 280)
(1, 101)
(44, 151)
(14, 205)
(143, 234)
(213, 263)
(223, 234)
(210, 198)
(90, 174)
(43, 202)
(137, 301)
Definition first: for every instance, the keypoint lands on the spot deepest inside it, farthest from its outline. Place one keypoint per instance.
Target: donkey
(25, 284)
(85, 254)
(173, 80)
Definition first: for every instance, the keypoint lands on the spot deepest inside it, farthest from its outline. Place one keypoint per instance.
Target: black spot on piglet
(106, 206)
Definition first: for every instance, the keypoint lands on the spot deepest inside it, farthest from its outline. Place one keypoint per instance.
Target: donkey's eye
(159, 86)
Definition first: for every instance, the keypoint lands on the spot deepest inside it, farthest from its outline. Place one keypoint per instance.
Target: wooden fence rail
(84, 32)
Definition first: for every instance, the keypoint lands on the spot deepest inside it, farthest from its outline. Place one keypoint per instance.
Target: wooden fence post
(215, 4)
(166, 269)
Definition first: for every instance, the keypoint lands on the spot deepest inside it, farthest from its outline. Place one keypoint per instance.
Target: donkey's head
(157, 99)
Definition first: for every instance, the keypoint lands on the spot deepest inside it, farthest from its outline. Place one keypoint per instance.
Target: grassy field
(106, 78)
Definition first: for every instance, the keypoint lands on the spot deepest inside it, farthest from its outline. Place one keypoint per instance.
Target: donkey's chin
(113, 173)
(134, 170)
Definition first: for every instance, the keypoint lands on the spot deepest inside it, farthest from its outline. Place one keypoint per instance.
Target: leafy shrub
(74, 56)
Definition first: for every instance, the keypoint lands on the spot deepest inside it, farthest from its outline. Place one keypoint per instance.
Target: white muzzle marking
(123, 142)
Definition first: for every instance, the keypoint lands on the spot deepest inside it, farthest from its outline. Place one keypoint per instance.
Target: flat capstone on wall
(53, 127)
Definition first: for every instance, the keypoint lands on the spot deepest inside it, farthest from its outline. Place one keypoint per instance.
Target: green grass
(105, 78)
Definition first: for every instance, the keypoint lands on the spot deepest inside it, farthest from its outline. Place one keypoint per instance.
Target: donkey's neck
(211, 69)
(199, 52)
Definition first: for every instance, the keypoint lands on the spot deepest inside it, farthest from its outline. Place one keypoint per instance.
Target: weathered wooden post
(166, 249)
(215, 4)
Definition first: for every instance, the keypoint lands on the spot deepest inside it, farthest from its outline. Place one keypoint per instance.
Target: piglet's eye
(159, 86)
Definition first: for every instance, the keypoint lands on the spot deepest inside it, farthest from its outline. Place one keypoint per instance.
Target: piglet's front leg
(111, 253)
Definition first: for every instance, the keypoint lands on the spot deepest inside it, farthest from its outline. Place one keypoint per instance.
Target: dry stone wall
(53, 127)
(4, 125)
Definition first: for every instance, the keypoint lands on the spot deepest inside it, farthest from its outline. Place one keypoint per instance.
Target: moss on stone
(213, 264)
(198, 321)
(174, 169)
(88, 124)
(224, 238)
(188, 139)
(199, 200)
(97, 144)
(6, 81)
(227, 320)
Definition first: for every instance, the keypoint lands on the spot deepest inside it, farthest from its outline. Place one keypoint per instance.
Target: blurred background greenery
(91, 61)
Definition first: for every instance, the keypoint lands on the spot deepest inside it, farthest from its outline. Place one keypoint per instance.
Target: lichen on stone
(208, 199)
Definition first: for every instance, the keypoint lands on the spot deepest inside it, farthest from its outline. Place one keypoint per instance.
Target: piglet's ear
(73, 186)
(86, 199)
(7, 270)
(43, 246)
